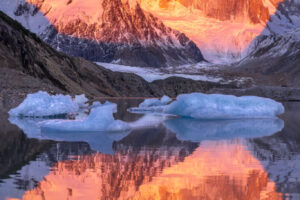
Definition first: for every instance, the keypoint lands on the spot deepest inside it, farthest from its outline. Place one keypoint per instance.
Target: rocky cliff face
(253, 10)
(106, 31)
(221, 29)
(277, 49)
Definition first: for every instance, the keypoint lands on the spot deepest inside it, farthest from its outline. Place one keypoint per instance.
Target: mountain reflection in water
(174, 159)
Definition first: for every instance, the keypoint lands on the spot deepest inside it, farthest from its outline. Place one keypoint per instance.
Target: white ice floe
(100, 119)
(217, 106)
(41, 104)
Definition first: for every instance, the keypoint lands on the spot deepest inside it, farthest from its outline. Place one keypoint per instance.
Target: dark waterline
(174, 159)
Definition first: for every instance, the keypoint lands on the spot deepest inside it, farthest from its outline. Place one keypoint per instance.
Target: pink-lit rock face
(253, 10)
(106, 20)
(216, 170)
(109, 31)
(222, 29)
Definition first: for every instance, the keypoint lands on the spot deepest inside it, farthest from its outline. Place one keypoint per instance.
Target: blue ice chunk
(217, 106)
(41, 104)
(100, 119)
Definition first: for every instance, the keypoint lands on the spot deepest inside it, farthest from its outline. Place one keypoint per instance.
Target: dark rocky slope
(27, 65)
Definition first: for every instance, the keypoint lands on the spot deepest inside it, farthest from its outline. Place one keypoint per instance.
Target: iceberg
(100, 119)
(41, 104)
(200, 130)
(215, 106)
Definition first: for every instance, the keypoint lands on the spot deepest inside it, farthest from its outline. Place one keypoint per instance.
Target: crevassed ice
(217, 106)
(41, 104)
(100, 119)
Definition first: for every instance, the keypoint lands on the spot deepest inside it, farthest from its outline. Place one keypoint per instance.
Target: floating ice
(41, 104)
(215, 106)
(95, 104)
(155, 102)
(81, 101)
(152, 105)
(100, 119)
(199, 130)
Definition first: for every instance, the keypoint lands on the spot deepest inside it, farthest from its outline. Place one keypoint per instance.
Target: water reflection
(198, 130)
(167, 159)
(216, 170)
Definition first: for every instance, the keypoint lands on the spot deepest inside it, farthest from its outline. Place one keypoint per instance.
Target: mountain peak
(107, 31)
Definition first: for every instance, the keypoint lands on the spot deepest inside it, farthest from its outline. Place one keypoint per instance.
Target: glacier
(217, 106)
(41, 104)
(100, 119)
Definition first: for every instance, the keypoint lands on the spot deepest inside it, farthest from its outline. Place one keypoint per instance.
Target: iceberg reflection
(198, 130)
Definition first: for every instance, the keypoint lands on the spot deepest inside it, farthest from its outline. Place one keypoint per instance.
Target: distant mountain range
(105, 31)
(156, 33)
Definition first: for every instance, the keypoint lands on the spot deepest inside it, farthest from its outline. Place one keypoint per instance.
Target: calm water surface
(162, 158)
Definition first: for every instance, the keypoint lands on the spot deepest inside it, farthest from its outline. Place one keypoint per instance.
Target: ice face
(217, 106)
(100, 119)
(41, 104)
(214, 106)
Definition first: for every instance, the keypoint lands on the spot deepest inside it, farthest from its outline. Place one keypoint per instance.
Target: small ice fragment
(81, 101)
(165, 100)
(155, 102)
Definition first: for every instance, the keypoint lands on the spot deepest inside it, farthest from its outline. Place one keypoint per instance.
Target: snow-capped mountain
(106, 30)
(277, 49)
(136, 32)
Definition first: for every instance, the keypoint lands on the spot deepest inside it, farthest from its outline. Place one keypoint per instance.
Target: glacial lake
(162, 158)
